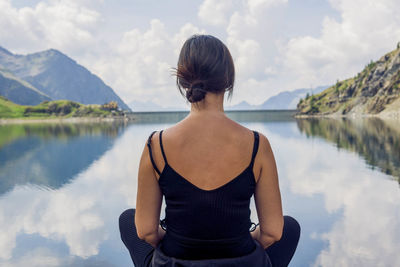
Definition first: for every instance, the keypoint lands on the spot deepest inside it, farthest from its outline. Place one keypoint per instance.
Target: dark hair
(204, 65)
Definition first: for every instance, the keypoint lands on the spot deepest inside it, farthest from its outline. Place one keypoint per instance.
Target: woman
(207, 167)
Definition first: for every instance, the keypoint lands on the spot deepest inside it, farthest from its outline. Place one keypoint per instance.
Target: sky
(277, 45)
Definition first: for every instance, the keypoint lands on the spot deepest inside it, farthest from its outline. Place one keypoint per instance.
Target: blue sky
(277, 45)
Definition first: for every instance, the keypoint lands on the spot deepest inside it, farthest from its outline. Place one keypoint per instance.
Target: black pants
(280, 253)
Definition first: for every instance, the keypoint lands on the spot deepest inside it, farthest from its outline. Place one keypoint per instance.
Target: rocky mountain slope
(19, 91)
(59, 77)
(375, 90)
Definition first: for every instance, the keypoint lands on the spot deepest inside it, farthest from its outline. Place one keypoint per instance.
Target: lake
(63, 186)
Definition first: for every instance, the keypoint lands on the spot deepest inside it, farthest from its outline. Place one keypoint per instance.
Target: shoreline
(4, 121)
(383, 116)
(131, 117)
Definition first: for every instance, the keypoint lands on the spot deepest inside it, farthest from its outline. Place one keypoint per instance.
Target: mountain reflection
(349, 213)
(50, 155)
(376, 140)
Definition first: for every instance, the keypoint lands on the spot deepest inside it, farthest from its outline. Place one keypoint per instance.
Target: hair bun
(196, 92)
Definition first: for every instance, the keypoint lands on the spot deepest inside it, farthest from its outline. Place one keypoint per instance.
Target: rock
(372, 91)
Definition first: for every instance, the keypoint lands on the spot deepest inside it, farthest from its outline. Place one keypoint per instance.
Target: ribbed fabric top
(206, 224)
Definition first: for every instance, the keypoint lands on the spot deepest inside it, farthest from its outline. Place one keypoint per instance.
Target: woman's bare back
(208, 151)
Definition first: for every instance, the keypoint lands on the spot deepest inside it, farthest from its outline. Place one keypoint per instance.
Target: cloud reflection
(367, 232)
(83, 213)
(354, 215)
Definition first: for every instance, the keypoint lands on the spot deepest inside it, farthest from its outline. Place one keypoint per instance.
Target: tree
(371, 64)
(338, 84)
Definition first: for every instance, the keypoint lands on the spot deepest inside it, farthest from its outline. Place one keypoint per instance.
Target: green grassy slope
(9, 109)
(54, 109)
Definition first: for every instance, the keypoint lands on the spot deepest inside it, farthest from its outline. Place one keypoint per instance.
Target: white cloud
(247, 61)
(267, 51)
(250, 33)
(257, 6)
(367, 30)
(215, 12)
(139, 66)
(64, 25)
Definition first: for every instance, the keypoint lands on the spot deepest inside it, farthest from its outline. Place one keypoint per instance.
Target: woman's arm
(268, 198)
(148, 202)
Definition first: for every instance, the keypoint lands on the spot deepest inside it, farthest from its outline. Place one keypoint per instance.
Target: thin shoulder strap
(255, 148)
(162, 148)
(151, 156)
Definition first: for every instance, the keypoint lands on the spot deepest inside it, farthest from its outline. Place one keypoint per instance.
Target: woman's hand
(265, 241)
(161, 233)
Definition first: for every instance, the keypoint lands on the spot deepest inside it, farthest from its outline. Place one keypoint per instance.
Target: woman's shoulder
(245, 131)
(237, 132)
(228, 125)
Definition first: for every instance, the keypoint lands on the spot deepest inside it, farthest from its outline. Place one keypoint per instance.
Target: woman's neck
(212, 104)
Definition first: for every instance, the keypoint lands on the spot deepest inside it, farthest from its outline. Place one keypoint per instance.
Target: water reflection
(67, 226)
(11, 132)
(239, 116)
(362, 203)
(51, 154)
(350, 214)
(374, 139)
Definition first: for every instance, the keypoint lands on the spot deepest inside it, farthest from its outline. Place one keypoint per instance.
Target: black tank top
(206, 224)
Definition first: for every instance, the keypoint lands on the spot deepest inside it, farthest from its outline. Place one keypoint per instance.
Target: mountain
(242, 106)
(289, 99)
(375, 90)
(59, 77)
(19, 91)
(283, 100)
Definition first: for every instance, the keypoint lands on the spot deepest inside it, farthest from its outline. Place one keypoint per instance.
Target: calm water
(62, 188)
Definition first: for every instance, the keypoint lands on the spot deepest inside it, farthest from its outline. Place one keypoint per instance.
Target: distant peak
(5, 51)
(52, 51)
